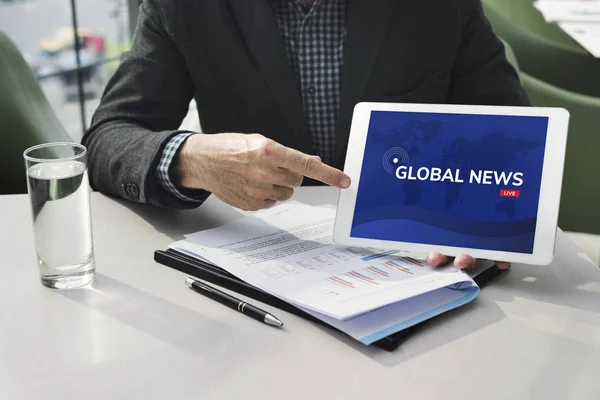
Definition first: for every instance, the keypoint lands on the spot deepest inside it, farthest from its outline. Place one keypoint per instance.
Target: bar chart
(388, 271)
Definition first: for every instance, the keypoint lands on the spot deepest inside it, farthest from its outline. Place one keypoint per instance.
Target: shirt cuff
(164, 165)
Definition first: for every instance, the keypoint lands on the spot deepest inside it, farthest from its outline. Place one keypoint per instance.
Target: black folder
(218, 276)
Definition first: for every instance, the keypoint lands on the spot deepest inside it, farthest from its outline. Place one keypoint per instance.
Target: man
(290, 73)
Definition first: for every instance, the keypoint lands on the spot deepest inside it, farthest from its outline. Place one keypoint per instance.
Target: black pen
(232, 302)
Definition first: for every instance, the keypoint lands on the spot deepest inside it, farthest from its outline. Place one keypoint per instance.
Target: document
(586, 34)
(569, 10)
(288, 251)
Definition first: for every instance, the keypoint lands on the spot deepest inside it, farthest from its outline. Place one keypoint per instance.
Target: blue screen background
(448, 213)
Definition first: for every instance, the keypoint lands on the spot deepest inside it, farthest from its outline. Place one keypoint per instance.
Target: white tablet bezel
(552, 173)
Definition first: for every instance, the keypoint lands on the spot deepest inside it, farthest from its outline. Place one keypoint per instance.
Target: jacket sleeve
(142, 106)
(481, 74)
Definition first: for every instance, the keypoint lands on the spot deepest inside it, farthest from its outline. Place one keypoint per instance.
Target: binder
(218, 276)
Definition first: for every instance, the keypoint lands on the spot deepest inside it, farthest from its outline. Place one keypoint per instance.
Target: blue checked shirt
(314, 38)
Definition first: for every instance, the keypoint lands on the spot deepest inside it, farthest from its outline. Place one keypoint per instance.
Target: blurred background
(43, 31)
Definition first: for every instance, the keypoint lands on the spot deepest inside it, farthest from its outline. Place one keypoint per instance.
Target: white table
(139, 333)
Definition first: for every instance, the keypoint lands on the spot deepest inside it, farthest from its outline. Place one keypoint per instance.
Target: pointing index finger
(313, 167)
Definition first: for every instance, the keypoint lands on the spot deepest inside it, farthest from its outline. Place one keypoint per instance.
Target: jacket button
(134, 190)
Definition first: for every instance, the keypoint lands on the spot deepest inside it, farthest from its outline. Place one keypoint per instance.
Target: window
(44, 32)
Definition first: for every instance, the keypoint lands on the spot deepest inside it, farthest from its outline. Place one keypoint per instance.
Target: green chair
(580, 199)
(26, 117)
(543, 50)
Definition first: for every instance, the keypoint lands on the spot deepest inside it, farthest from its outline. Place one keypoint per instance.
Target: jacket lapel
(367, 23)
(257, 21)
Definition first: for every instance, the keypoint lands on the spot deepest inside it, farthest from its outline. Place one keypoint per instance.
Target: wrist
(187, 171)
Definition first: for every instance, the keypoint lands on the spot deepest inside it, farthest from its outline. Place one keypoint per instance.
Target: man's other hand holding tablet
(462, 261)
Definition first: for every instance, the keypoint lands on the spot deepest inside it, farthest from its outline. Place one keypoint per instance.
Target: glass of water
(59, 192)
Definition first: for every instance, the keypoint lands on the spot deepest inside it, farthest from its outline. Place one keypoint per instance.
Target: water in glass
(59, 193)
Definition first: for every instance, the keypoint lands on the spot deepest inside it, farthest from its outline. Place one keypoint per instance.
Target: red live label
(510, 193)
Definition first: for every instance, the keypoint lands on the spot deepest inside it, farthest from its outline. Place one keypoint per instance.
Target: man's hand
(250, 172)
(463, 261)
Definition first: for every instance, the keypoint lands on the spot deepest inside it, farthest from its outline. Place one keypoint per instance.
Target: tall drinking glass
(59, 192)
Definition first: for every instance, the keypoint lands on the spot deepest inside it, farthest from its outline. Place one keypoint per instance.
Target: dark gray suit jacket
(229, 56)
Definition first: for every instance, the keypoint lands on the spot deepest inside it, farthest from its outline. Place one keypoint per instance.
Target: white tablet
(482, 180)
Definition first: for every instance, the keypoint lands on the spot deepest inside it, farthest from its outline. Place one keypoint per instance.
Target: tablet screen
(460, 180)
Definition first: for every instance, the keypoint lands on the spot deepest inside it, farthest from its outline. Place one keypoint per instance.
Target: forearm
(123, 159)
(145, 101)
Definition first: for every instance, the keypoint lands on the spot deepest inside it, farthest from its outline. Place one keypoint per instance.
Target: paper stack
(367, 293)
